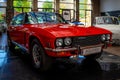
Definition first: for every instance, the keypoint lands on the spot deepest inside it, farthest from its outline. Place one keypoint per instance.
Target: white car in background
(110, 23)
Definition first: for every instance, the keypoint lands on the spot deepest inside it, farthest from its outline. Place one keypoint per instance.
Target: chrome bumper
(61, 50)
(72, 49)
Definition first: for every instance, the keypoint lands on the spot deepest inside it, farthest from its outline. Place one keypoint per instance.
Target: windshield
(49, 17)
(107, 20)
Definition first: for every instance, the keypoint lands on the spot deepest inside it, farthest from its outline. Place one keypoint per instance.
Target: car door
(16, 29)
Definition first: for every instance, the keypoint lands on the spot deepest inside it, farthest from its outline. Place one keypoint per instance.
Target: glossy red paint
(65, 30)
(47, 34)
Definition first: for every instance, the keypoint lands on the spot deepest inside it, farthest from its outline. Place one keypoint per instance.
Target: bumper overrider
(78, 47)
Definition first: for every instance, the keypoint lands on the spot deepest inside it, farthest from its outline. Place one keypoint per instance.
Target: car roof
(106, 16)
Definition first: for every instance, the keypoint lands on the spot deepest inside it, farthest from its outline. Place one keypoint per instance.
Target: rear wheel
(40, 60)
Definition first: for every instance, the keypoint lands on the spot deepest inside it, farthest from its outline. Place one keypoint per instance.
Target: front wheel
(40, 59)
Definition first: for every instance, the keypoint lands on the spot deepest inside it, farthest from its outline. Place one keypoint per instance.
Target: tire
(40, 60)
(94, 56)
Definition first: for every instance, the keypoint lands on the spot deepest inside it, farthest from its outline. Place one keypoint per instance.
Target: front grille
(86, 41)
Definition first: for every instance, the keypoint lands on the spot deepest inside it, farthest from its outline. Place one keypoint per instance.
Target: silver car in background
(110, 23)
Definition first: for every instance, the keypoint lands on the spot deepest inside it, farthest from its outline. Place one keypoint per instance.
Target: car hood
(65, 30)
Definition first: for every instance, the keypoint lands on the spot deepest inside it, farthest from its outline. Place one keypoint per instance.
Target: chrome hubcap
(36, 55)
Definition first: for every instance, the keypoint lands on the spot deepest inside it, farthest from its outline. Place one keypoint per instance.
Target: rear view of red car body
(45, 36)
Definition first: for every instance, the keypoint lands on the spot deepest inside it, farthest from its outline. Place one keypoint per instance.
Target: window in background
(22, 6)
(85, 10)
(3, 6)
(67, 5)
(46, 5)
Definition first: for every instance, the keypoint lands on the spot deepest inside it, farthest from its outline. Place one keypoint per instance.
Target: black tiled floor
(14, 67)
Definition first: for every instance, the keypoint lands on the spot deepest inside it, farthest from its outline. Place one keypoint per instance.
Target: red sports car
(47, 36)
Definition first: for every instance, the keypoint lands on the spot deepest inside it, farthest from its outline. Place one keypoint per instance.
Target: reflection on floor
(113, 50)
(14, 67)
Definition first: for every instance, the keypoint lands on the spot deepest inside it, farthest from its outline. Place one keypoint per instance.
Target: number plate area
(93, 50)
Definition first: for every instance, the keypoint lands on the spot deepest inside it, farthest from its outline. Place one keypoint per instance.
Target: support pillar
(9, 11)
(76, 7)
(95, 9)
(35, 5)
(57, 6)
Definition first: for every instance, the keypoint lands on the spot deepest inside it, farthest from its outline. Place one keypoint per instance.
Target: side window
(29, 19)
(49, 18)
(18, 20)
(13, 21)
(41, 18)
(108, 20)
(99, 20)
(115, 21)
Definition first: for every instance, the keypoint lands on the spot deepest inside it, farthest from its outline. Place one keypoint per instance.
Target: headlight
(67, 41)
(59, 42)
(108, 36)
(103, 37)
